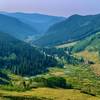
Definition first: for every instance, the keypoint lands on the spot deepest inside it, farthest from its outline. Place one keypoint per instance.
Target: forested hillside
(15, 27)
(21, 58)
(4, 78)
(74, 28)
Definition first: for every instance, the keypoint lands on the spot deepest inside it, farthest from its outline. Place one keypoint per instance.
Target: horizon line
(27, 12)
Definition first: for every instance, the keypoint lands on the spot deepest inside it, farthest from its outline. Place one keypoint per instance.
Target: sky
(52, 7)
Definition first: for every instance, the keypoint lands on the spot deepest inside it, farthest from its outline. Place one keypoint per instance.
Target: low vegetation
(47, 94)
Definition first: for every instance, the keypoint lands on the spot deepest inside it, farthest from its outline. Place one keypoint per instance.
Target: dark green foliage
(21, 58)
(2, 82)
(25, 98)
(74, 28)
(52, 82)
(63, 54)
(3, 75)
(60, 52)
(4, 78)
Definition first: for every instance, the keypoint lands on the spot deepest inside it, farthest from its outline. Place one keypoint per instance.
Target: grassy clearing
(92, 56)
(96, 69)
(50, 94)
(66, 45)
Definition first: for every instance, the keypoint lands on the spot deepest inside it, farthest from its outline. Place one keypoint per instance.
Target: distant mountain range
(38, 21)
(45, 30)
(72, 29)
(15, 27)
(26, 26)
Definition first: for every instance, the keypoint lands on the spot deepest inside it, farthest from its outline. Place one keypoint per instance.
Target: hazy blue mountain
(74, 28)
(21, 58)
(38, 21)
(15, 27)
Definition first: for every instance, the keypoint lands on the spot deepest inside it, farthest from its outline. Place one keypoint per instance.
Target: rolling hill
(21, 58)
(74, 28)
(15, 27)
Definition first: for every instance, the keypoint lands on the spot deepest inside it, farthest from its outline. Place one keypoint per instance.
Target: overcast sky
(52, 7)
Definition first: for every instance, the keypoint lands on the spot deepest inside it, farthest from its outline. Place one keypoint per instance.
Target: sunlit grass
(87, 55)
(53, 94)
(66, 45)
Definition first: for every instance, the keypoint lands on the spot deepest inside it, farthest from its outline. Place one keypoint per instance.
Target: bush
(52, 82)
(56, 82)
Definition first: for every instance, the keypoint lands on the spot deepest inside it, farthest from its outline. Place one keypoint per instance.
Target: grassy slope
(76, 75)
(81, 77)
(51, 94)
(92, 56)
(90, 48)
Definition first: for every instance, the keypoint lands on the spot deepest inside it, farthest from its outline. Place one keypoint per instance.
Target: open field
(96, 69)
(50, 94)
(92, 56)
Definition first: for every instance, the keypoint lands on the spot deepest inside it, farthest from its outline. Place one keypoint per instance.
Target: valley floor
(49, 94)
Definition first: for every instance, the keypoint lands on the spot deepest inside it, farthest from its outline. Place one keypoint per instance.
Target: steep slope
(15, 27)
(89, 49)
(38, 21)
(21, 58)
(91, 43)
(74, 28)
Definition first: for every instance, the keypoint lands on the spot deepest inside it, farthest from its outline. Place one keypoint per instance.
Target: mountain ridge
(73, 28)
(38, 21)
(15, 27)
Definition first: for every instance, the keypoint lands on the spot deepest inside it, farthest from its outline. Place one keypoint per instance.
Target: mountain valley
(46, 57)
